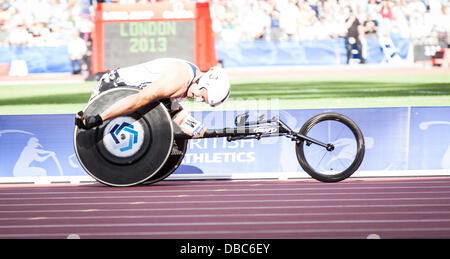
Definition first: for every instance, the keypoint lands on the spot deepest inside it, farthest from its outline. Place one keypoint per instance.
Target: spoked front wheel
(343, 151)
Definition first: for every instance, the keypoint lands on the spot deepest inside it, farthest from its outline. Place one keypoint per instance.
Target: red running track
(257, 209)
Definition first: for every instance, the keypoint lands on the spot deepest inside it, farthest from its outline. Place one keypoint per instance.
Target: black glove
(88, 122)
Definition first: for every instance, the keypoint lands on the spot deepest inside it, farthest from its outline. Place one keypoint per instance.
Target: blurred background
(247, 32)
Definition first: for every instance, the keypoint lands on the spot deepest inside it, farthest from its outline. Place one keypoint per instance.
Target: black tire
(345, 130)
(175, 159)
(179, 147)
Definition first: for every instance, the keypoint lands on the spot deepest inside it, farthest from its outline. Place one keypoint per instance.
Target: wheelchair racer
(168, 80)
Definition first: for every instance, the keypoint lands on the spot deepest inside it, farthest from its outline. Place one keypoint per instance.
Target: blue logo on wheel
(133, 135)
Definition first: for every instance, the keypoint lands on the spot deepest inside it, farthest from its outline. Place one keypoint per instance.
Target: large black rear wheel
(172, 163)
(126, 150)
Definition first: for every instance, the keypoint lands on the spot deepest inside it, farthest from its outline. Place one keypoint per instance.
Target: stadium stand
(56, 23)
(324, 19)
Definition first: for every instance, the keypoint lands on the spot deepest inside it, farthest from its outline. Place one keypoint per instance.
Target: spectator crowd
(70, 22)
(48, 23)
(243, 20)
(53, 22)
(44, 22)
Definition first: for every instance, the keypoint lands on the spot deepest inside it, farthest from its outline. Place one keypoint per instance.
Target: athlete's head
(217, 84)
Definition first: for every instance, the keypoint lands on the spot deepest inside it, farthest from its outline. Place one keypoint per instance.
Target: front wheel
(347, 147)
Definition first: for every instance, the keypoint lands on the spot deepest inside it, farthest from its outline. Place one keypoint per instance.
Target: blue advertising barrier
(399, 142)
(384, 130)
(306, 52)
(429, 138)
(39, 59)
(37, 145)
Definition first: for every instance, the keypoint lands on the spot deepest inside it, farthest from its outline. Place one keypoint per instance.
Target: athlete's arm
(131, 103)
(158, 90)
(188, 124)
(171, 83)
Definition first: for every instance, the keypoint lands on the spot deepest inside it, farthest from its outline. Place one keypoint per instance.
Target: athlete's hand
(88, 122)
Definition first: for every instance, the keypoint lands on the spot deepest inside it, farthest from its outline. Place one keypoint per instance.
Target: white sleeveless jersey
(143, 74)
(148, 72)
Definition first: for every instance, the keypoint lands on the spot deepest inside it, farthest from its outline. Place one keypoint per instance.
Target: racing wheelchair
(146, 146)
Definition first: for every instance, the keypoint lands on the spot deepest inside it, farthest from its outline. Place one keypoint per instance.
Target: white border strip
(47, 180)
(236, 176)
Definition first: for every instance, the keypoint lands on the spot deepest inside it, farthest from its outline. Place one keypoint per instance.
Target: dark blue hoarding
(397, 140)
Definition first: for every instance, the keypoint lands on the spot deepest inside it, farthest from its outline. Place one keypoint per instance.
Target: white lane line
(335, 206)
(50, 218)
(121, 192)
(224, 201)
(397, 179)
(229, 223)
(221, 195)
(73, 236)
(363, 232)
(246, 183)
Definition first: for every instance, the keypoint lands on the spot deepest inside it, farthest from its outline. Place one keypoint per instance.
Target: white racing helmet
(217, 84)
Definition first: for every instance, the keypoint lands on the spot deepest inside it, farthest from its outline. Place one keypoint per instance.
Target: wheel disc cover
(126, 150)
